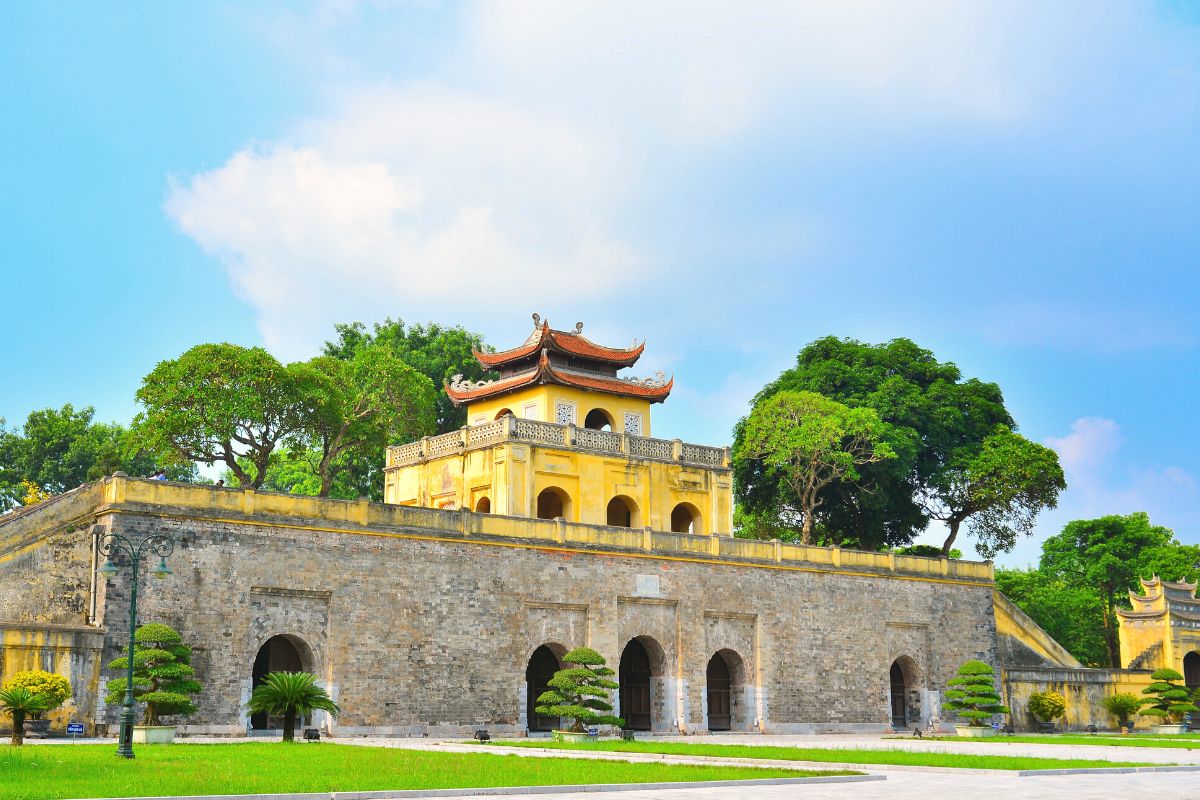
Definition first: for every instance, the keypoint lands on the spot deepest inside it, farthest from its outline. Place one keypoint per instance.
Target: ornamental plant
(290, 694)
(1167, 699)
(162, 674)
(974, 696)
(51, 687)
(1121, 705)
(20, 703)
(580, 693)
(1047, 705)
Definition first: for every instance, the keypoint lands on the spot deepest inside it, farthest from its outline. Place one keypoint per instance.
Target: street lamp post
(110, 544)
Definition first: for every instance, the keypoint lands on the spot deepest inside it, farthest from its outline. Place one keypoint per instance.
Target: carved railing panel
(650, 448)
(488, 433)
(445, 444)
(547, 432)
(598, 440)
(700, 454)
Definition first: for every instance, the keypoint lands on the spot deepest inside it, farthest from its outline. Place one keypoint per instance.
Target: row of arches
(622, 511)
(597, 419)
(640, 676)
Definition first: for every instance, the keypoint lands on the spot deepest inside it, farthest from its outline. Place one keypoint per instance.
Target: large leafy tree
(997, 488)
(1108, 555)
(221, 403)
(1072, 613)
(435, 351)
(937, 423)
(356, 407)
(59, 448)
(807, 442)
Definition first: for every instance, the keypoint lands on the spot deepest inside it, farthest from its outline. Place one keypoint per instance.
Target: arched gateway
(541, 668)
(634, 679)
(277, 654)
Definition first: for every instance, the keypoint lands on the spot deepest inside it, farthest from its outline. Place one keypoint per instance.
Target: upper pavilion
(1162, 629)
(561, 434)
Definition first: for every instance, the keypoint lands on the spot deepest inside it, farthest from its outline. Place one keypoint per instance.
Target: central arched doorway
(278, 654)
(720, 709)
(542, 666)
(899, 701)
(634, 678)
(622, 512)
(1191, 679)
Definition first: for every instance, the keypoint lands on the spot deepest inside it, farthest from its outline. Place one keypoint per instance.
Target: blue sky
(1013, 185)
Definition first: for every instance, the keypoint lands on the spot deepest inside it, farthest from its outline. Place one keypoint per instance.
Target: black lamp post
(161, 545)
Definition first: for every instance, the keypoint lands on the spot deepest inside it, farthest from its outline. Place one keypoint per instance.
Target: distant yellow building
(1162, 629)
(561, 434)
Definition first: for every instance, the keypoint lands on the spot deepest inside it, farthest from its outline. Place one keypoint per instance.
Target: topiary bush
(1048, 705)
(580, 693)
(53, 688)
(1121, 705)
(974, 696)
(1167, 699)
(162, 674)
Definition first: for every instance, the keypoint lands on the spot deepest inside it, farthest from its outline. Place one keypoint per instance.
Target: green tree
(290, 694)
(435, 351)
(808, 442)
(973, 696)
(219, 403)
(998, 487)
(59, 449)
(1070, 611)
(580, 693)
(163, 678)
(50, 686)
(1108, 555)
(20, 703)
(934, 417)
(356, 407)
(1166, 698)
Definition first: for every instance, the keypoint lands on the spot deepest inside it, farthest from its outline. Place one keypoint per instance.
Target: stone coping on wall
(138, 495)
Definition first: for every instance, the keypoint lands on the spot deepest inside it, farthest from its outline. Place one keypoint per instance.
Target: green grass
(1179, 742)
(899, 757)
(53, 772)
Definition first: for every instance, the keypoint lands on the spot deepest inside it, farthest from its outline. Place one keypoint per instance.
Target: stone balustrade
(552, 434)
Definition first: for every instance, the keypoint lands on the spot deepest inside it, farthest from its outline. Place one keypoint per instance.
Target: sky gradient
(1012, 185)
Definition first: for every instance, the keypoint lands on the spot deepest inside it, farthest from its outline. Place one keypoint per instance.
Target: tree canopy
(937, 425)
(435, 351)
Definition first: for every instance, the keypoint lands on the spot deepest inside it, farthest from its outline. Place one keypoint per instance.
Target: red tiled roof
(568, 342)
(545, 373)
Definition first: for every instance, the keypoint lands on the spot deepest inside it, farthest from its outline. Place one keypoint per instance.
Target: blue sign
(74, 728)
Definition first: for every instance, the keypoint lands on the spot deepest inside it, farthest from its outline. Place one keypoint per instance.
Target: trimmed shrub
(162, 674)
(973, 696)
(580, 693)
(1167, 699)
(1047, 705)
(1121, 705)
(50, 686)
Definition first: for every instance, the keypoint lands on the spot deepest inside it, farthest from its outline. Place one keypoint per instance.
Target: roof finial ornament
(537, 320)
(578, 328)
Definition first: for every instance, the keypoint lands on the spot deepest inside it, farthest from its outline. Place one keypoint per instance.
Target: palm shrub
(289, 694)
(1048, 705)
(50, 686)
(20, 703)
(1121, 705)
(580, 693)
(1166, 698)
(163, 678)
(974, 696)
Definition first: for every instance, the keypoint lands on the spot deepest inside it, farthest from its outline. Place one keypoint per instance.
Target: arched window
(598, 420)
(553, 503)
(623, 512)
(504, 412)
(483, 506)
(685, 518)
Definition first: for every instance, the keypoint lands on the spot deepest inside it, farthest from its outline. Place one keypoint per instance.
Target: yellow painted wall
(512, 475)
(72, 653)
(545, 399)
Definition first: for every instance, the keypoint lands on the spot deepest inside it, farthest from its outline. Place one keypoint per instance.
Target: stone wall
(426, 629)
(1083, 689)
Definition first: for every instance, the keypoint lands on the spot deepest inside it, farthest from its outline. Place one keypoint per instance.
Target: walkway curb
(506, 790)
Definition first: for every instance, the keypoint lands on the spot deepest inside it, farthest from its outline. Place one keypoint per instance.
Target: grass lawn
(866, 757)
(1178, 741)
(53, 772)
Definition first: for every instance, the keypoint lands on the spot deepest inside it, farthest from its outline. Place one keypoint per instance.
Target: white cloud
(1086, 451)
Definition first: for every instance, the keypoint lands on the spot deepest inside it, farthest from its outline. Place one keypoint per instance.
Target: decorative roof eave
(1144, 598)
(572, 343)
(655, 390)
(1124, 614)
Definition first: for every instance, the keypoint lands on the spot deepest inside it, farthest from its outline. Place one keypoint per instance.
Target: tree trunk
(806, 527)
(289, 725)
(954, 524)
(1114, 651)
(18, 732)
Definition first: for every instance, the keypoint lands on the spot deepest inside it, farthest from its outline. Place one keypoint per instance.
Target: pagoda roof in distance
(570, 343)
(653, 389)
